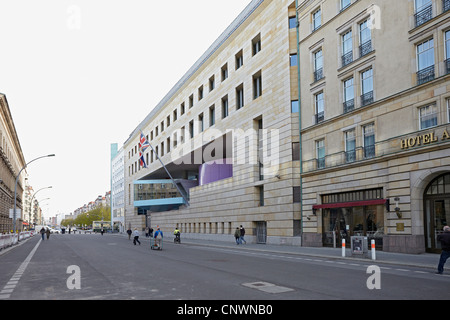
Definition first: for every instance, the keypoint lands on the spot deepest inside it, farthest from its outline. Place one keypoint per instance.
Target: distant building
(12, 161)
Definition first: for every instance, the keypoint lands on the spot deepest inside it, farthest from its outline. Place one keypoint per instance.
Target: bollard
(343, 247)
(373, 250)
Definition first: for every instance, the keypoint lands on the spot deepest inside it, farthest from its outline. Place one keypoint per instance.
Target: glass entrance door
(436, 211)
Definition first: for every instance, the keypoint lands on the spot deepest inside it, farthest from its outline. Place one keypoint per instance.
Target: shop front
(356, 213)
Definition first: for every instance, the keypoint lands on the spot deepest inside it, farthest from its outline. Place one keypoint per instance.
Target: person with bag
(158, 237)
(237, 235)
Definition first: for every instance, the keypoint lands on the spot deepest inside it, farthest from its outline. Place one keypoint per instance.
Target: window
(350, 146)
(295, 106)
(425, 61)
(349, 95)
(162, 149)
(224, 72)
(224, 107)
(367, 87)
(295, 151)
(240, 97)
(200, 93)
(168, 121)
(424, 11)
(428, 117)
(448, 110)
(212, 83)
(293, 62)
(369, 140)
(201, 125)
(257, 85)
(212, 115)
(292, 22)
(260, 190)
(256, 44)
(319, 106)
(320, 153)
(239, 59)
(191, 129)
(345, 4)
(318, 65)
(156, 132)
(162, 126)
(182, 109)
(175, 115)
(168, 145)
(316, 19)
(191, 101)
(347, 48)
(447, 51)
(365, 39)
(297, 198)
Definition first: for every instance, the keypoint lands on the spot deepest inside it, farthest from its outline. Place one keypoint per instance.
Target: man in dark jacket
(444, 238)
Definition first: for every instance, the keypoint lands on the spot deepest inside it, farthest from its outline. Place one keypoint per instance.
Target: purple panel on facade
(215, 171)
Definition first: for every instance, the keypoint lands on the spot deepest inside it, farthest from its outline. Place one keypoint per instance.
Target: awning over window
(350, 204)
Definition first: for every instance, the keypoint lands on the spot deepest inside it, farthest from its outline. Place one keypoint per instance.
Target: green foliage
(87, 218)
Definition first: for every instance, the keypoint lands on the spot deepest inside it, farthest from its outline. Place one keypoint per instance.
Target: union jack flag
(143, 145)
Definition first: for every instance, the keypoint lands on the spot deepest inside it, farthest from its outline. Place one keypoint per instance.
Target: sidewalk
(424, 260)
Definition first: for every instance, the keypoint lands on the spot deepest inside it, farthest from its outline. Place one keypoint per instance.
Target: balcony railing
(318, 74)
(425, 75)
(389, 147)
(347, 58)
(424, 15)
(445, 5)
(349, 105)
(367, 98)
(365, 48)
(320, 117)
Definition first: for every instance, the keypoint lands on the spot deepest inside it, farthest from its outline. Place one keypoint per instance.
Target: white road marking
(9, 288)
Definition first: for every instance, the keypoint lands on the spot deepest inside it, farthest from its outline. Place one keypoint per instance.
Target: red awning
(350, 204)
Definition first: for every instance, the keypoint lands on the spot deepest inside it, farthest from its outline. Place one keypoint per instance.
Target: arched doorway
(436, 210)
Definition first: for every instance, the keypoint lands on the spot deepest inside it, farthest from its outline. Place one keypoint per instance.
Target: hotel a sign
(425, 139)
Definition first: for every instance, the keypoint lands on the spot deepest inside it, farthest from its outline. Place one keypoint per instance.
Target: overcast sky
(82, 74)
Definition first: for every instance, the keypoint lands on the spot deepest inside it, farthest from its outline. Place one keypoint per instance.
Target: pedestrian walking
(146, 232)
(42, 232)
(48, 233)
(158, 237)
(102, 231)
(242, 230)
(136, 236)
(444, 238)
(237, 235)
(129, 234)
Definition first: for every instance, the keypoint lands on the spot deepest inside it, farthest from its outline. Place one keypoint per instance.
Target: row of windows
(239, 91)
(179, 135)
(428, 118)
(426, 72)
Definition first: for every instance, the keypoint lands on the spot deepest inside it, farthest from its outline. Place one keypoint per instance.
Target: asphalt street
(110, 267)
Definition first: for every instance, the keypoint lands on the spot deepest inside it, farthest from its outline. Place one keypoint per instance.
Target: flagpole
(167, 171)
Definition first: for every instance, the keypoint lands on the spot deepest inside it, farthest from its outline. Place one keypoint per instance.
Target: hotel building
(375, 121)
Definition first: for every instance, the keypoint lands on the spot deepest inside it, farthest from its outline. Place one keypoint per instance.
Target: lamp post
(15, 189)
(31, 202)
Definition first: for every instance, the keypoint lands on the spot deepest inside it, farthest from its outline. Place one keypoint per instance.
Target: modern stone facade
(243, 83)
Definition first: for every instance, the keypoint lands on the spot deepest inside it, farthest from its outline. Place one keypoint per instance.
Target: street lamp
(31, 202)
(15, 189)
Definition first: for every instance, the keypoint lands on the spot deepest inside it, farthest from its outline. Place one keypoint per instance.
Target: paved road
(111, 267)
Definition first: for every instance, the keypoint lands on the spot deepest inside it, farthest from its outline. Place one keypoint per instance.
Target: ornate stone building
(12, 161)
